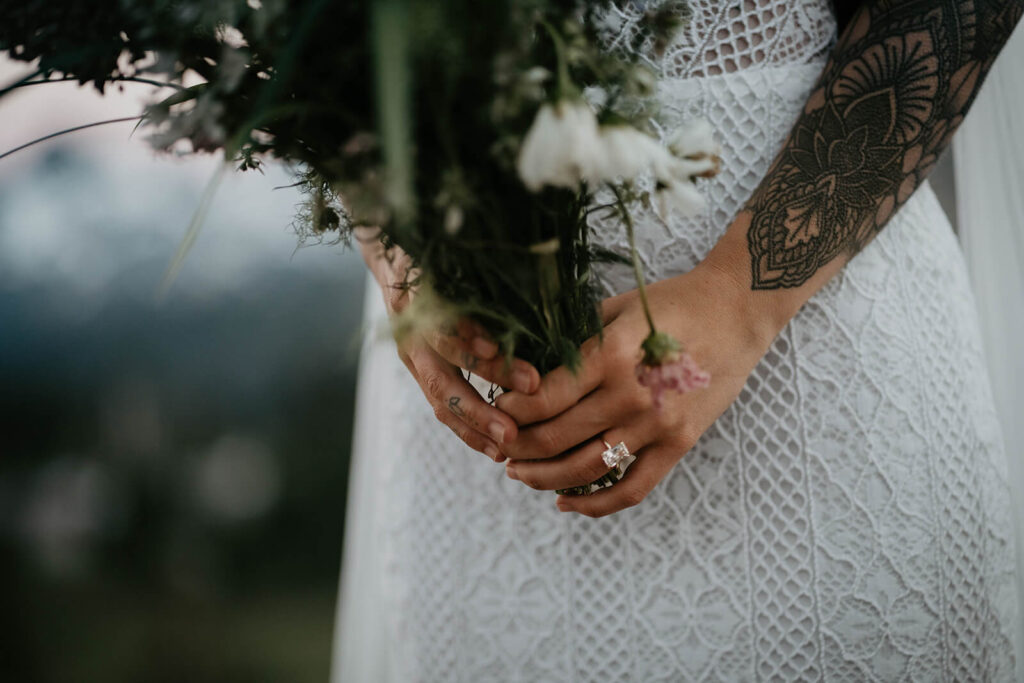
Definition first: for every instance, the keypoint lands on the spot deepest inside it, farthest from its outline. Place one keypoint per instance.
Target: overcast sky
(112, 205)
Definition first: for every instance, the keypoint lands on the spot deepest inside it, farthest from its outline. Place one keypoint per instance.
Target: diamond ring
(613, 455)
(617, 458)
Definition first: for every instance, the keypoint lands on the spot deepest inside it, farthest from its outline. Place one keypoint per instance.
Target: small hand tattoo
(453, 405)
(469, 361)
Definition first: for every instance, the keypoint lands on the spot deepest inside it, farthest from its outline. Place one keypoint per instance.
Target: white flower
(673, 168)
(694, 153)
(596, 96)
(694, 140)
(623, 151)
(559, 146)
(537, 74)
(644, 80)
(680, 195)
(230, 36)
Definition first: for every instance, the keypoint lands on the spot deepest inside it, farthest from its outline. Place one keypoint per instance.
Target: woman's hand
(434, 358)
(564, 424)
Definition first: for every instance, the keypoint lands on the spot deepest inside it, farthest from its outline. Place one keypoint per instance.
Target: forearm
(897, 85)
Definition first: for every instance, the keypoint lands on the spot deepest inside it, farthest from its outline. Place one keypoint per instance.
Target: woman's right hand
(435, 359)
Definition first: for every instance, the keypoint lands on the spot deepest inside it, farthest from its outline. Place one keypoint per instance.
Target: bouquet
(475, 136)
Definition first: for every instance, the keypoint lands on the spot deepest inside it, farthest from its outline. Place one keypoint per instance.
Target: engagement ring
(617, 458)
(614, 455)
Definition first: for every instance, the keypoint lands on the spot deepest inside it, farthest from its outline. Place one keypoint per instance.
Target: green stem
(65, 132)
(20, 82)
(637, 269)
(393, 84)
(113, 79)
(192, 232)
(565, 86)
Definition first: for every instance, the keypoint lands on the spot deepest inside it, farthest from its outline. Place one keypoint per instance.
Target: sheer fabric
(361, 647)
(847, 518)
(989, 162)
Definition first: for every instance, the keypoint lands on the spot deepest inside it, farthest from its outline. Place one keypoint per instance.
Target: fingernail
(563, 506)
(497, 432)
(510, 470)
(492, 453)
(522, 380)
(484, 347)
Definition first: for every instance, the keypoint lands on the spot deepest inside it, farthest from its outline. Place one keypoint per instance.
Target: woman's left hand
(563, 424)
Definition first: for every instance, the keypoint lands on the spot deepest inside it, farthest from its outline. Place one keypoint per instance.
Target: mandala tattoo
(896, 87)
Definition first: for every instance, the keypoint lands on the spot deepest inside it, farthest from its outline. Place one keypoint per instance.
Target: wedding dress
(847, 518)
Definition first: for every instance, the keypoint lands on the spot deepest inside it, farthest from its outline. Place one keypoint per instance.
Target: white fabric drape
(360, 628)
(988, 157)
(989, 168)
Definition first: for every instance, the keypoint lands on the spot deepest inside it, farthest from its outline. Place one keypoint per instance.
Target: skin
(895, 88)
(897, 85)
(436, 360)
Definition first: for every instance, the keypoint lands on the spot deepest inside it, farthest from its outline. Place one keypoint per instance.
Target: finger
(397, 297)
(467, 345)
(470, 436)
(579, 467)
(594, 414)
(517, 374)
(399, 276)
(465, 336)
(480, 343)
(450, 393)
(651, 466)
(559, 390)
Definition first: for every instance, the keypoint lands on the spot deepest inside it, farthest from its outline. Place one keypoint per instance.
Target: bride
(833, 506)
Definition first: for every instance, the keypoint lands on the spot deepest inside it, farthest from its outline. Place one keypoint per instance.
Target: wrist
(765, 311)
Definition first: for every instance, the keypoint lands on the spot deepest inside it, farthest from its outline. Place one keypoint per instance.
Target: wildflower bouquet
(473, 135)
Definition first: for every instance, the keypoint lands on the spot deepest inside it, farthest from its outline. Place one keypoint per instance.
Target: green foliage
(412, 111)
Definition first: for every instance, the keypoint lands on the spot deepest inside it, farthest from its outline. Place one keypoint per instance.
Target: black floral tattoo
(896, 87)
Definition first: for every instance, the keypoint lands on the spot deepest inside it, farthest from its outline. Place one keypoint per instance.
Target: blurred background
(172, 473)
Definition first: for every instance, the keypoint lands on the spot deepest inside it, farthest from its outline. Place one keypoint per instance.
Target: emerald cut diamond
(615, 454)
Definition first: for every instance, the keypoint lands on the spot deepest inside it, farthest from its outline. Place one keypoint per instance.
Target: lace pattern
(846, 519)
(726, 37)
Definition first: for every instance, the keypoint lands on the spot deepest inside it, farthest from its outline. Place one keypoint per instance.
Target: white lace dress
(847, 518)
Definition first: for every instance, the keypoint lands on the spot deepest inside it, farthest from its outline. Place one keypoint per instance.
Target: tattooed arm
(899, 82)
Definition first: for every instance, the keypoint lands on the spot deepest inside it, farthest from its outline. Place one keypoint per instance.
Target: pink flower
(677, 371)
